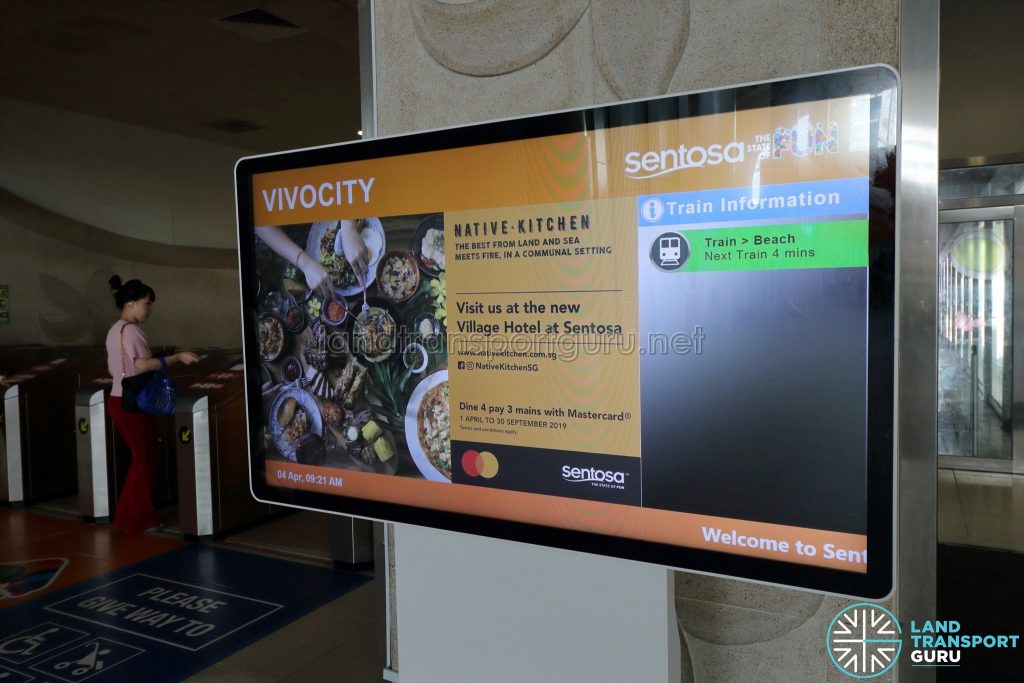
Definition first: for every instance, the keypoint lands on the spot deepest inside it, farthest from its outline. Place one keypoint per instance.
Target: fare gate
(213, 468)
(38, 459)
(103, 456)
(93, 436)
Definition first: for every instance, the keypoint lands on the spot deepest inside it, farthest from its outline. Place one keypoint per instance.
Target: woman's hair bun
(133, 290)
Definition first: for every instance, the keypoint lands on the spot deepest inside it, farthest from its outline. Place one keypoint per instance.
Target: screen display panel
(660, 330)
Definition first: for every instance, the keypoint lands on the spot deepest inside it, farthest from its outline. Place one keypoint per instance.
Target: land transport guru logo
(864, 640)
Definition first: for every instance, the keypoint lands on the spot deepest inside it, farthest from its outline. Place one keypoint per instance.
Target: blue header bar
(818, 200)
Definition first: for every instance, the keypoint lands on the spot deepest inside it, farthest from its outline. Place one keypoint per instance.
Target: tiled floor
(980, 508)
(337, 642)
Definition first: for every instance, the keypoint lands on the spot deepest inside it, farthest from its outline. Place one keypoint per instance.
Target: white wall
(127, 179)
(72, 175)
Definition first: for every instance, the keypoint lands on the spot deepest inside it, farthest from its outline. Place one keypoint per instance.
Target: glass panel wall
(981, 181)
(975, 313)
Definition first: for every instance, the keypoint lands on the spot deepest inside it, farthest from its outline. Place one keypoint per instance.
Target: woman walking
(128, 354)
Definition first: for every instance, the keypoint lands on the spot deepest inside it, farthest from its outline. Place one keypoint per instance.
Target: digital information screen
(660, 330)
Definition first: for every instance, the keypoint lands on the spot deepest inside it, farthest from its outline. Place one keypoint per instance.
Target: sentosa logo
(578, 475)
(641, 165)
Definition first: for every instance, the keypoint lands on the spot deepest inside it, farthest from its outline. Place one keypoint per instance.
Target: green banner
(832, 244)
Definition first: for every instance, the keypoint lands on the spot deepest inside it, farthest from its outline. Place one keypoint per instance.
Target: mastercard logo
(482, 464)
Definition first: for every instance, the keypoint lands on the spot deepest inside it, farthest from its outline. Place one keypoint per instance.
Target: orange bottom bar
(832, 549)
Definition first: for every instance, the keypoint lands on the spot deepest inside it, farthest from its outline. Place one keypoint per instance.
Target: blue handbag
(151, 392)
(158, 396)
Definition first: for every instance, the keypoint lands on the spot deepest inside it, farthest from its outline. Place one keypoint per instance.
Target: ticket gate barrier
(20, 357)
(213, 463)
(103, 456)
(97, 489)
(14, 360)
(38, 459)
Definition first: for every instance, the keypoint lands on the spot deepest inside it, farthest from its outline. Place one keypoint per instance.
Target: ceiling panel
(172, 66)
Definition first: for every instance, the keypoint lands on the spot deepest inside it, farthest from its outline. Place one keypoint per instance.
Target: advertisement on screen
(658, 330)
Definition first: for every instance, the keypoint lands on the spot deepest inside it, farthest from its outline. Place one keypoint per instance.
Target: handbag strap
(124, 364)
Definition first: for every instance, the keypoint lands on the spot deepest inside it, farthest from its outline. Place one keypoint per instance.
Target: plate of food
(398, 276)
(370, 446)
(295, 285)
(427, 427)
(271, 338)
(428, 244)
(293, 415)
(324, 245)
(375, 331)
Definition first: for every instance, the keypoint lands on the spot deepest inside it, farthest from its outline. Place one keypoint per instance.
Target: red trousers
(135, 511)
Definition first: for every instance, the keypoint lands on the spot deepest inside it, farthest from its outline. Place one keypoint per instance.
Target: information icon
(652, 210)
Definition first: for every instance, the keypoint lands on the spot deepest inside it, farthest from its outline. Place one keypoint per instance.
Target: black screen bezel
(876, 81)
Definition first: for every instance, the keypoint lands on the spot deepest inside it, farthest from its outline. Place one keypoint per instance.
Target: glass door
(976, 337)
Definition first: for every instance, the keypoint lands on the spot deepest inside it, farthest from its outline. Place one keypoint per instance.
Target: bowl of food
(414, 357)
(294, 318)
(333, 413)
(291, 370)
(428, 427)
(334, 312)
(426, 326)
(271, 338)
(311, 450)
(273, 302)
(375, 331)
(428, 244)
(398, 276)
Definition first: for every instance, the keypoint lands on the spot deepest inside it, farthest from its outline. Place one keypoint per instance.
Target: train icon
(669, 251)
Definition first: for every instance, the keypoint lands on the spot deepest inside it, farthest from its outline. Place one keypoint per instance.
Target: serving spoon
(351, 314)
(362, 283)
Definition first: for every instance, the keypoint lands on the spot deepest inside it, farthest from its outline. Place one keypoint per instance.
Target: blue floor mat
(162, 619)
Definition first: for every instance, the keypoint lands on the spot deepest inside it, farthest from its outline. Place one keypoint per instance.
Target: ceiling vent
(259, 25)
(233, 126)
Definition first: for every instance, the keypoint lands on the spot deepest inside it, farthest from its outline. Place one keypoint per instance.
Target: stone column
(440, 63)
